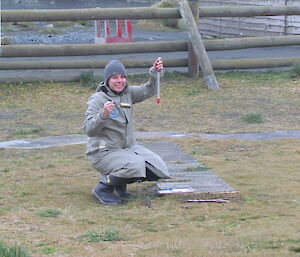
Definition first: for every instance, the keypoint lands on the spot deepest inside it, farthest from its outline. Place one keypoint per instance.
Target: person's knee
(131, 167)
(137, 164)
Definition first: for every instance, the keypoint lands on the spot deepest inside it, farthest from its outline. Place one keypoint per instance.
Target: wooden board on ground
(187, 173)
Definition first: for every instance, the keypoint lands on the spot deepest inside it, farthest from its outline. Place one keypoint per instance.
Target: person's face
(117, 82)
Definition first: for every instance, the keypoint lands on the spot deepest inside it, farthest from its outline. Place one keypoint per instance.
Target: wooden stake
(198, 46)
(193, 62)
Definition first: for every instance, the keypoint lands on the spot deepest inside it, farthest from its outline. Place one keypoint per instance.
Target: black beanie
(112, 68)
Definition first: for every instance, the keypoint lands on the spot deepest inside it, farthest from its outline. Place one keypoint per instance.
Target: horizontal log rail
(248, 11)
(143, 47)
(84, 64)
(142, 13)
(255, 63)
(143, 63)
(92, 49)
(250, 42)
(89, 14)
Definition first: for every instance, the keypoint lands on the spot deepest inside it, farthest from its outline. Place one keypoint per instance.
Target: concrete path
(81, 138)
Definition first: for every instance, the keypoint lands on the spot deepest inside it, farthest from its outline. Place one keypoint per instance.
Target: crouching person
(111, 145)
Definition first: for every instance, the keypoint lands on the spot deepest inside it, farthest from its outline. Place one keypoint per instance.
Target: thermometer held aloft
(158, 87)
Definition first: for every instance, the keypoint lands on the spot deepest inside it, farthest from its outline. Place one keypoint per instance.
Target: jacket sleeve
(145, 91)
(94, 121)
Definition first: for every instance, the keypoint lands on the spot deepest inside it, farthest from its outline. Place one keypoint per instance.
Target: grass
(49, 213)
(91, 237)
(111, 234)
(88, 79)
(57, 181)
(12, 251)
(262, 225)
(253, 118)
(43, 109)
(296, 70)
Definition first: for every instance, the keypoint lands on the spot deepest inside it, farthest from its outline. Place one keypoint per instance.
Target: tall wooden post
(0, 30)
(198, 46)
(193, 63)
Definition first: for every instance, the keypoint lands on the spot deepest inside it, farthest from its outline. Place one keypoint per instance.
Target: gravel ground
(85, 35)
(79, 34)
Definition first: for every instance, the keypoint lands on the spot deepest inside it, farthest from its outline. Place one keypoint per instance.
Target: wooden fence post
(193, 63)
(198, 46)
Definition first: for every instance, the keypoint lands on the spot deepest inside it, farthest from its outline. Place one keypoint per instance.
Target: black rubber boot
(104, 191)
(121, 186)
(121, 191)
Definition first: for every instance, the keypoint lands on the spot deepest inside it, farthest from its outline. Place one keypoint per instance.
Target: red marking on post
(98, 28)
(107, 29)
(158, 100)
(119, 28)
(129, 29)
(107, 38)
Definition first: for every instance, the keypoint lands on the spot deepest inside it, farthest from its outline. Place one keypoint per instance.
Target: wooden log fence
(142, 13)
(255, 63)
(143, 47)
(199, 47)
(179, 62)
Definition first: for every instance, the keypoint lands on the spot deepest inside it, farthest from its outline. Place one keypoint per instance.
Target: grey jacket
(117, 130)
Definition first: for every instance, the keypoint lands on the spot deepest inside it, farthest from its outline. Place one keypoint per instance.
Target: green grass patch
(110, 234)
(88, 79)
(296, 70)
(4, 170)
(295, 249)
(27, 131)
(49, 250)
(12, 251)
(253, 118)
(49, 213)
(91, 237)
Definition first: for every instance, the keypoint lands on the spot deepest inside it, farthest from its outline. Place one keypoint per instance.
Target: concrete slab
(43, 142)
(81, 138)
(255, 135)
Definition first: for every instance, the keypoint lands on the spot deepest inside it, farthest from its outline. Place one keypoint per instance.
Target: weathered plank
(186, 172)
(251, 26)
